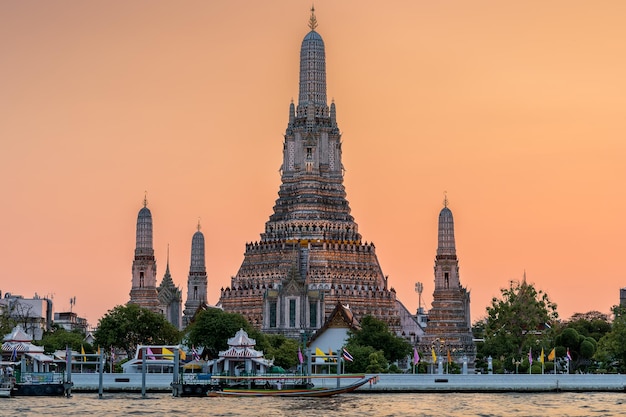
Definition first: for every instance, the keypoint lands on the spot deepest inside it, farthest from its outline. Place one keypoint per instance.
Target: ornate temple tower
(310, 256)
(170, 297)
(449, 324)
(197, 280)
(144, 290)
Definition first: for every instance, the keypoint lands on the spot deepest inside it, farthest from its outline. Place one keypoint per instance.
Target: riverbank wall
(497, 383)
(393, 383)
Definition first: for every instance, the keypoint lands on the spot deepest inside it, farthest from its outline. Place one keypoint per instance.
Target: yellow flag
(98, 350)
(183, 355)
(82, 352)
(167, 354)
(319, 353)
(551, 355)
(432, 351)
(449, 357)
(541, 358)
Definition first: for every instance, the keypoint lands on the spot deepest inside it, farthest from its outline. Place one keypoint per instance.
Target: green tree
(516, 322)
(581, 347)
(376, 334)
(377, 363)
(283, 350)
(59, 339)
(126, 326)
(6, 322)
(213, 327)
(612, 346)
(361, 358)
(591, 324)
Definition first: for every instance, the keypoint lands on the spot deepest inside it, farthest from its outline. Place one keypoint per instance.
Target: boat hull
(38, 390)
(298, 392)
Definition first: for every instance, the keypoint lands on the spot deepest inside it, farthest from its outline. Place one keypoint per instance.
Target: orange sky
(516, 109)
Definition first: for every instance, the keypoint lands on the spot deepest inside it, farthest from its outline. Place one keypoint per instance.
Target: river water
(443, 404)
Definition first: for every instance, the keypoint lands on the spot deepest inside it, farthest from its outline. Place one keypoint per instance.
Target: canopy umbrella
(194, 365)
(276, 370)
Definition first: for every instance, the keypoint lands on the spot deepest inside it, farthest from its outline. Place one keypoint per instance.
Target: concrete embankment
(122, 382)
(396, 383)
(496, 383)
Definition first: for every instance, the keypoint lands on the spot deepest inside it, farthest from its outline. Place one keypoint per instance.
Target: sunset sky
(516, 109)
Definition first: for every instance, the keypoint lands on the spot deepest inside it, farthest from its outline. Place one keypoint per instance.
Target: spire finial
(199, 227)
(312, 20)
(145, 198)
(168, 256)
(445, 199)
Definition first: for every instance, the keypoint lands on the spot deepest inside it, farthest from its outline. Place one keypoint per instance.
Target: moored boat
(284, 386)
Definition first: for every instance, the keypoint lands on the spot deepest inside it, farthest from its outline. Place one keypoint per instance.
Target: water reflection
(391, 405)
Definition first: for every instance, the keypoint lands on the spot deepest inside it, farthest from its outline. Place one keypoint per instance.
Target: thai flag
(14, 354)
(194, 353)
(300, 358)
(569, 357)
(346, 355)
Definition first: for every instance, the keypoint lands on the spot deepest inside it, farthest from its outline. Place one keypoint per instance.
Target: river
(397, 405)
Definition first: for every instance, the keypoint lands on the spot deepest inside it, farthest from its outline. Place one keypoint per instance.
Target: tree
(6, 322)
(126, 326)
(283, 350)
(612, 346)
(20, 312)
(375, 334)
(591, 324)
(377, 363)
(213, 327)
(581, 347)
(361, 358)
(59, 339)
(516, 322)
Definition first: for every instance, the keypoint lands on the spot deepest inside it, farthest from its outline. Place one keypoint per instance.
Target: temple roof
(341, 317)
(446, 244)
(144, 230)
(313, 35)
(18, 335)
(241, 352)
(241, 339)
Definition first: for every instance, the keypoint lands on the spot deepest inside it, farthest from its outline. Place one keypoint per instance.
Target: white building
(34, 315)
